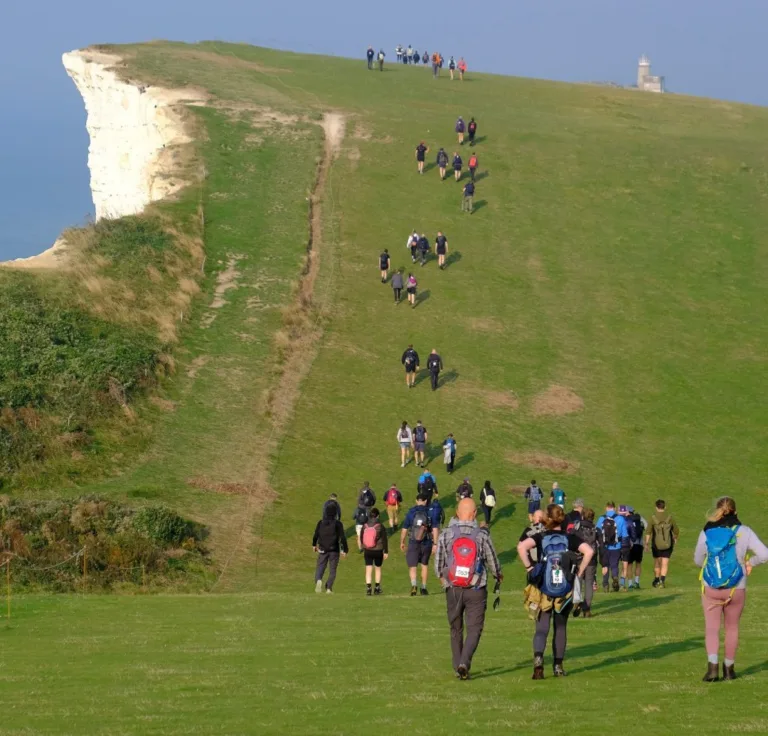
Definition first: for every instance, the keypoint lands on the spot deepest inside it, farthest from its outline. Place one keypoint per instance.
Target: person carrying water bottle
(554, 577)
(726, 550)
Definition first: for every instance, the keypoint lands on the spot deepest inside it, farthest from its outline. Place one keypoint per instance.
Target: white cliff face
(133, 130)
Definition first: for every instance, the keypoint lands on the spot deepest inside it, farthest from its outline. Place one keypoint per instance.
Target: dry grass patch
(543, 461)
(485, 324)
(493, 399)
(556, 401)
(261, 495)
(164, 404)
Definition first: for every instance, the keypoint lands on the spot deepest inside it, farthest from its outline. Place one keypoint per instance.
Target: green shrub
(162, 525)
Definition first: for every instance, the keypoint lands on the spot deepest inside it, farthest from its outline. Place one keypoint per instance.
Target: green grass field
(618, 249)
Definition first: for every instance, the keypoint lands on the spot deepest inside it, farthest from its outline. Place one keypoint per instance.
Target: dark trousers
(472, 173)
(560, 638)
(487, 514)
(433, 375)
(588, 587)
(327, 559)
(465, 605)
(611, 559)
(453, 460)
(397, 294)
(370, 63)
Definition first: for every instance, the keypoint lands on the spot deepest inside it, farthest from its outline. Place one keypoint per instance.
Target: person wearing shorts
(410, 287)
(420, 535)
(421, 153)
(375, 545)
(441, 249)
(533, 495)
(410, 360)
(384, 262)
(420, 438)
(405, 440)
(412, 244)
(457, 165)
(662, 531)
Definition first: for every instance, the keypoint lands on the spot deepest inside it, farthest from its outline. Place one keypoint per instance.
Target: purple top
(746, 541)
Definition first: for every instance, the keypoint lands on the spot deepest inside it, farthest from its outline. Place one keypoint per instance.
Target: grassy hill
(614, 267)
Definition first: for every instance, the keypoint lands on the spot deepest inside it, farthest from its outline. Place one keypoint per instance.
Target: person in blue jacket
(613, 531)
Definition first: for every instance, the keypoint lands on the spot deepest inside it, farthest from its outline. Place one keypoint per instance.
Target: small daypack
(609, 531)
(636, 529)
(557, 580)
(722, 568)
(367, 498)
(588, 535)
(662, 533)
(559, 496)
(371, 535)
(420, 524)
(361, 515)
(420, 434)
(391, 497)
(535, 493)
(464, 565)
(428, 484)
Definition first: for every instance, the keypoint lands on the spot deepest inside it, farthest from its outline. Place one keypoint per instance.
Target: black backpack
(428, 486)
(419, 434)
(636, 529)
(587, 534)
(361, 515)
(420, 526)
(609, 531)
(367, 498)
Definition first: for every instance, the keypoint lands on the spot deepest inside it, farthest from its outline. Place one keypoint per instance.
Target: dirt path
(299, 338)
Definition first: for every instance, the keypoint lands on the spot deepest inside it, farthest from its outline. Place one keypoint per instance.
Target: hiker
(381, 60)
(626, 548)
(472, 163)
(410, 359)
(460, 128)
(436, 513)
(426, 485)
(435, 65)
(457, 164)
(451, 66)
(472, 130)
(613, 530)
(465, 557)
(535, 526)
(588, 533)
(468, 195)
(399, 52)
(533, 494)
(397, 284)
(449, 453)
(487, 501)
(421, 152)
(462, 66)
(726, 550)
(553, 578)
(420, 437)
(393, 498)
(409, 54)
(423, 248)
(434, 366)
(375, 546)
(410, 287)
(329, 543)
(557, 496)
(332, 507)
(442, 162)
(417, 526)
(412, 244)
(464, 490)
(416, 58)
(573, 517)
(360, 518)
(425, 58)
(441, 248)
(369, 54)
(662, 536)
(384, 262)
(636, 526)
(405, 440)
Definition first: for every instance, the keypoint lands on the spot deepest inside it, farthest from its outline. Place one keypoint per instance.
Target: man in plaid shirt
(466, 602)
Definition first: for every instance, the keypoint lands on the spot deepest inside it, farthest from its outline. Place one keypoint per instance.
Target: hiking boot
(662, 583)
(558, 671)
(319, 586)
(712, 673)
(655, 583)
(587, 614)
(577, 610)
(424, 591)
(377, 590)
(605, 589)
(329, 591)
(615, 585)
(368, 591)
(728, 672)
(463, 672)
(414, 590)
(538, 668)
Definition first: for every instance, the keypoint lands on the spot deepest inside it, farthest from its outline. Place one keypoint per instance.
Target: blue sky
(710, 48)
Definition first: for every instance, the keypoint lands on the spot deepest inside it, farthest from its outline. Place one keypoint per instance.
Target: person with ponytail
(727, 550)
(554, 576)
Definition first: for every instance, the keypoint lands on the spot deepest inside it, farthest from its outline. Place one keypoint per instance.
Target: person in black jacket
(435, 365)
(330, 543)
(410, 360)
(487, 501)
(332, 508)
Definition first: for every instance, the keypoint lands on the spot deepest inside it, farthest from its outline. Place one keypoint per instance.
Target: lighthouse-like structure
(645, 80)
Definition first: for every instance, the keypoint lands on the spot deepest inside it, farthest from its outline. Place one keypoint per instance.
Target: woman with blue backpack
(726, 552)
(554, 576)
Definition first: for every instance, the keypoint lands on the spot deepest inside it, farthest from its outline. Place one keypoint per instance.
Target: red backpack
(463, 558)
(473, 162)
(391, 498)
(371, 535)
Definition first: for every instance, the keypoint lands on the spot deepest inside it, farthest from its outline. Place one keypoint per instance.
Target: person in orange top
(462, 65)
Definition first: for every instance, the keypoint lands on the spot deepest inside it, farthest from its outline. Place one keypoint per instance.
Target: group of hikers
(412, 56)
(411, 362)
(557, 550)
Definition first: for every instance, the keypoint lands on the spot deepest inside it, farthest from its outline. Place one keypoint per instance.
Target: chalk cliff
(134, 130)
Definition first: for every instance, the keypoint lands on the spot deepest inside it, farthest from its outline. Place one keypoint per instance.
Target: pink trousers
(715, 613)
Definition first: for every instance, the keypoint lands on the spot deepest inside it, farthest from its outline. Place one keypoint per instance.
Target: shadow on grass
(464, 460)
(503, 512)
(753, 669)
(618, 602)
(482, 175)
(448, 377)
(422, 297)
(479, 205)
(480, 138)
(655, 652)
(453, 257)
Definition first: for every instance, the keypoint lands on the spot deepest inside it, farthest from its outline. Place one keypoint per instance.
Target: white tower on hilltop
(643, 71)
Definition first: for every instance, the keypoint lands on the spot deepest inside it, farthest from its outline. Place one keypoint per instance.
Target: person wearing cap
(464, 490)
(573, 517)
(626, 549)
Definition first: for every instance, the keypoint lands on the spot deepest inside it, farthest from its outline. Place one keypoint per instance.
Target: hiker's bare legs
(378, 576)
(457, 174)
(664, 566)
(424, 575)
(368, 572)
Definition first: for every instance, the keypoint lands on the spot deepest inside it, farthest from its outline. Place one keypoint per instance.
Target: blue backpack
(557, 581)
(721, 567)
